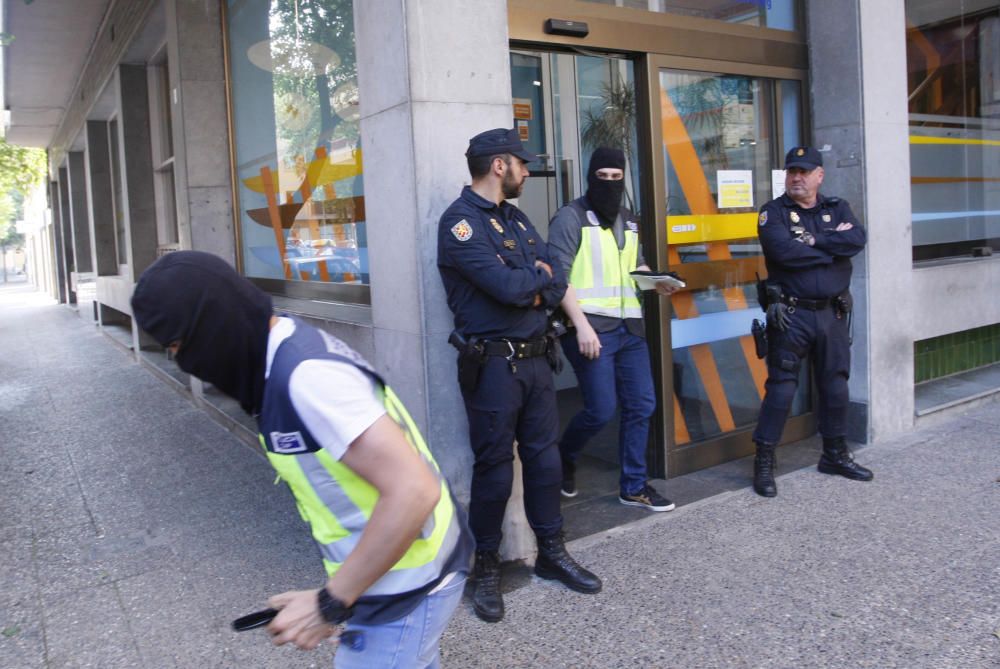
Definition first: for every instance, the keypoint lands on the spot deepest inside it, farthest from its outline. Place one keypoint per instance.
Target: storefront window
(298, 157)
(780, 14)
(953, 62)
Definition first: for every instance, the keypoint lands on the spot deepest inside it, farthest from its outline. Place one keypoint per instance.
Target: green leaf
(10, 631)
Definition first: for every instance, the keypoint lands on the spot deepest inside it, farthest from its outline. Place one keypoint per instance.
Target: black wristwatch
(332, 609)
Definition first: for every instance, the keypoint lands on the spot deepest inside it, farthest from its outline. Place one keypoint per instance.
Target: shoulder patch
(288, 442)
(762, 220)
(462, 231)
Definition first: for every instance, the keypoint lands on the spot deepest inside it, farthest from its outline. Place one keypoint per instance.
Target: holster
(470, 360)
(552, 351)
(759, 332)
(844, 303)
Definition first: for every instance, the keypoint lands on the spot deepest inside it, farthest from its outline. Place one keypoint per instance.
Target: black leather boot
(554, 562)
(486, 598)
(763, 471)
(838, 459)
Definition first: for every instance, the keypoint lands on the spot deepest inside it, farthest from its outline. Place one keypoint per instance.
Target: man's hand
(666, 289)
(544, 265)
(588, 341)
(844, 227)
(777, 315)
(298, 620)
(807, 238)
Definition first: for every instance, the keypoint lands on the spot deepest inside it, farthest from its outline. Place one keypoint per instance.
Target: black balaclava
(605, 197)
(220, 319)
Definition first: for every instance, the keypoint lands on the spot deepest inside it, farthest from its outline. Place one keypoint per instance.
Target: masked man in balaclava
(393, 540)
(595, 241)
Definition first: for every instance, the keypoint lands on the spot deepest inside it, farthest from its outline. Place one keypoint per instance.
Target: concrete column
(59, 271)
(79, 211)
(200, 121)
(64, 232)
(859, 108)
(137, 169)
(421, 101)
(99, 201)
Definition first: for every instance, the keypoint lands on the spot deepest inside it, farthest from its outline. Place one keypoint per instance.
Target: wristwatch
(332, 609)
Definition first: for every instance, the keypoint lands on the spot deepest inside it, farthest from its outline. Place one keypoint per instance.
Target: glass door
(565, 106)
(723, 138)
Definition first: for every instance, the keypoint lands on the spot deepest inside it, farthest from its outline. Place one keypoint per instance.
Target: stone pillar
(64, 237)
(58, 273)
(137, 169)
(200, 121)
(421, 101)
(79, 213)
(104, 260)
(859, 108)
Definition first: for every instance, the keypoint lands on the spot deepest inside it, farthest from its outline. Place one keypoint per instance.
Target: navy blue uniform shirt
(813, 272)
(486, 256)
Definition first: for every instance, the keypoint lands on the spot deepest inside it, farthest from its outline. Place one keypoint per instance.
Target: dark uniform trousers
(507, 405)
(822, 338)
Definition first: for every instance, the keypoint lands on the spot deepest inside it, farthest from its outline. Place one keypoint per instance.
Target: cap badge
(509, 244)
(827, 218)
(763, 218)
(522, 226)
(462, 231)
(496, 226)
(800, 152)
(794, 216)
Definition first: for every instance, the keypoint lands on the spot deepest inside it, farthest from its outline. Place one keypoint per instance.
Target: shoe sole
(836, 472)
(569, 494)
(766, 494)
(552, 576)
(669, 507)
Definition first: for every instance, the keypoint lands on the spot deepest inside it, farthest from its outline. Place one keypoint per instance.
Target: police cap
(803, 157)
(499, 140)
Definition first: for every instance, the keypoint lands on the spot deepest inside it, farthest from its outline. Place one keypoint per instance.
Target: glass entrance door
(723, 139)
(566, 106)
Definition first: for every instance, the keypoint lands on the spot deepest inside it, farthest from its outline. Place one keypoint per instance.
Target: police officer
(808, 241)
(499, 284)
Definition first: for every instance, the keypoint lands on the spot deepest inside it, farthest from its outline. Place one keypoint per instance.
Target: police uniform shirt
(486, 257)
(814, 272)
(565, 233)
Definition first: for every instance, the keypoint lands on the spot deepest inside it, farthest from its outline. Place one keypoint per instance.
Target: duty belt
(806, 303)
(516, 350)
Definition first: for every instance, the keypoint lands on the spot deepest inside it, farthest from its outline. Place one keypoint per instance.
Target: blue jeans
(410, 642)
(620, 374)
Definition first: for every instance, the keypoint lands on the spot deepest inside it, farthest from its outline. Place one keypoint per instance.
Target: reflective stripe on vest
(337, 504)
(600, 273)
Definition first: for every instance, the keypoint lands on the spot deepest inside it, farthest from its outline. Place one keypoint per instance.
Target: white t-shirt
(336, 401)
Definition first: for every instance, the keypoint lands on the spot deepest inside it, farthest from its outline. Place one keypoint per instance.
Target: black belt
(806, 303)
(516, 350)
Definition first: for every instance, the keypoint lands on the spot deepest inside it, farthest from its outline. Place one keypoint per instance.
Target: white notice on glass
(777, 183)
(735, 189)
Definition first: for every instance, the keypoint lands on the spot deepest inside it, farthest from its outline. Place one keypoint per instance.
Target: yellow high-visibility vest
(337, 504)
(600, 272)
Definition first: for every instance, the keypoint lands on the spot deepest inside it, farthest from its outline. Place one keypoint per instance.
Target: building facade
(314, 143)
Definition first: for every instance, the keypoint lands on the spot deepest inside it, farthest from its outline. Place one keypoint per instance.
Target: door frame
(655, 41)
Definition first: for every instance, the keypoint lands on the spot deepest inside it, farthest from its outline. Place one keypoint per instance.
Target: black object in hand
(254, 620)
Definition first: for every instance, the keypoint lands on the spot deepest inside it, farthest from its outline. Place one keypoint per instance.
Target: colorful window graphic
(953, 62)
(780, 14)
(718, 142)
(298, 152)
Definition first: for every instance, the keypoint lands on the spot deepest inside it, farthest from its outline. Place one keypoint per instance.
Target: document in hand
(648, 280)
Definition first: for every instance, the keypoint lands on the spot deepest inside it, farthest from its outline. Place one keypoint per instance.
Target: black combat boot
(486, 598)
(554, 562)
(763, 471)
(838, 459)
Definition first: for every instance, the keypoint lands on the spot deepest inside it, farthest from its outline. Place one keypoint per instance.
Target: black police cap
(803, 157)
(499, 140)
